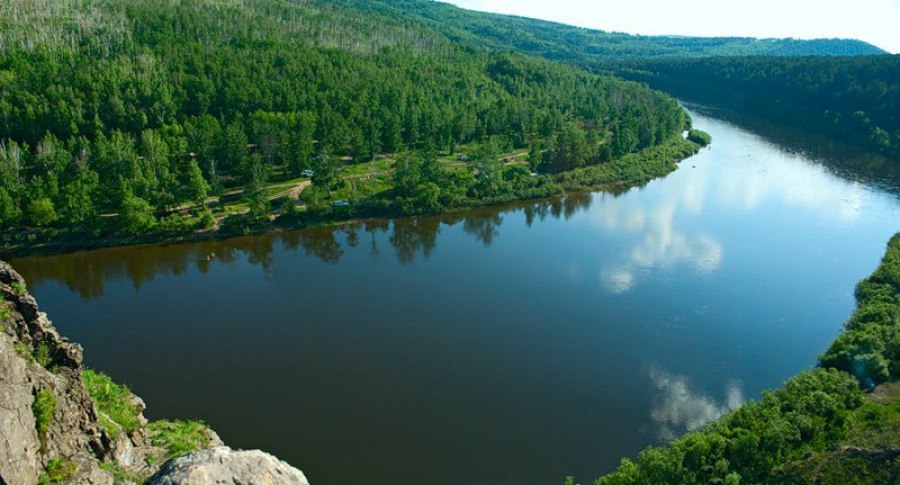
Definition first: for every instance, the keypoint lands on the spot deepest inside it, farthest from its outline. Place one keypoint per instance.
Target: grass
(20, 288)
(120, 475)
(43, 408)
(58, 470)
(113, 401)
(379, 165)
(178, 437)
(877, 422)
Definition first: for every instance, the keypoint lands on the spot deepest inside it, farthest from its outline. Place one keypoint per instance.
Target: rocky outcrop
(36, 362)
(224, 465)
(52, 431)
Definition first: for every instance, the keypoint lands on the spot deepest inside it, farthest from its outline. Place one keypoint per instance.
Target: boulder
(223, 465)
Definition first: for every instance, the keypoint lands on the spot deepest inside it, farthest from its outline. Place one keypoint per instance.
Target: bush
(699, 137)
(41, 212)
(175, 224)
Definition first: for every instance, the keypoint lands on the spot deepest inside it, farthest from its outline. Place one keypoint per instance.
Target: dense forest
(120, 115)
(854, 99)
(802, 432)
(587, 46)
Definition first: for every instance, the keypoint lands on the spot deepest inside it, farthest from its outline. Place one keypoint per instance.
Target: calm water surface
(501, 346)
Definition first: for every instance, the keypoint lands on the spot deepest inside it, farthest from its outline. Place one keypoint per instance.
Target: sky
(874, 21)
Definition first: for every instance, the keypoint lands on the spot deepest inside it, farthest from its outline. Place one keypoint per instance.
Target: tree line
(589, 47)
(114, 113)
(854, 99)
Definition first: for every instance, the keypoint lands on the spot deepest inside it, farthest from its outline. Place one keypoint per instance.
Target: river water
(511, 345)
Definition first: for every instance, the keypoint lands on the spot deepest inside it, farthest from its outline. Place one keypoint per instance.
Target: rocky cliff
(61, 423)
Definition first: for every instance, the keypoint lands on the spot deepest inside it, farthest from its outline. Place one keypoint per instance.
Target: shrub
(175, 224)
(699, 137)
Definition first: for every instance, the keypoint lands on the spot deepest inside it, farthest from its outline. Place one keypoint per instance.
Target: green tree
(135, 216)
(195, 184)
(41, 212)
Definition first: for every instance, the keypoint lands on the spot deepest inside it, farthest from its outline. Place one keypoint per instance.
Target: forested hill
(579, 45)
(114, 113)
(854, 99)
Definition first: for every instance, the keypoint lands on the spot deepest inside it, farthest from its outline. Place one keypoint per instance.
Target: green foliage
(586, 46)
(120, 475)
(19, 287)
(207, 220)
(176, 224)
(113, 124)
(179, 437)
(699, 137)
(5, 312)
(852, 99)
(41, 212)
(811, 411)
(866, 456)
(869, 348)
(114, 403)
(43, 356)
(58, 470)
(135, 216)
(43, 408)
(40, 355)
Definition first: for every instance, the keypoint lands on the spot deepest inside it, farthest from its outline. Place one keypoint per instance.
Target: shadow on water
(841, 159)
(410, 238)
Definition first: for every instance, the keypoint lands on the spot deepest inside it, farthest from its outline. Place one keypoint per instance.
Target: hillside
(587, 46)
(117, 115)
(853, 99)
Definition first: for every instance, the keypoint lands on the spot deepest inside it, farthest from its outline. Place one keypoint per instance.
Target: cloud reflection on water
(661, 244)
(679, 409)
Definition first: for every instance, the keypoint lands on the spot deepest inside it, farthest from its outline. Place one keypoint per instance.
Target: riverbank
(616, 176)
(826, 425)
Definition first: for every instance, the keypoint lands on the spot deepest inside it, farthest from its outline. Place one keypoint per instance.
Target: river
(512, 345)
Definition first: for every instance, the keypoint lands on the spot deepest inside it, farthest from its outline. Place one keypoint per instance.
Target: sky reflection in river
(507, 345)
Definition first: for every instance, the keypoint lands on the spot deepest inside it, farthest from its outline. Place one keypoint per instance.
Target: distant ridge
(552, 40)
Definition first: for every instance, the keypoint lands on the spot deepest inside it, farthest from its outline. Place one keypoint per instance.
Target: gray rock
(74, 433)
(19, 444)
(220, 466)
